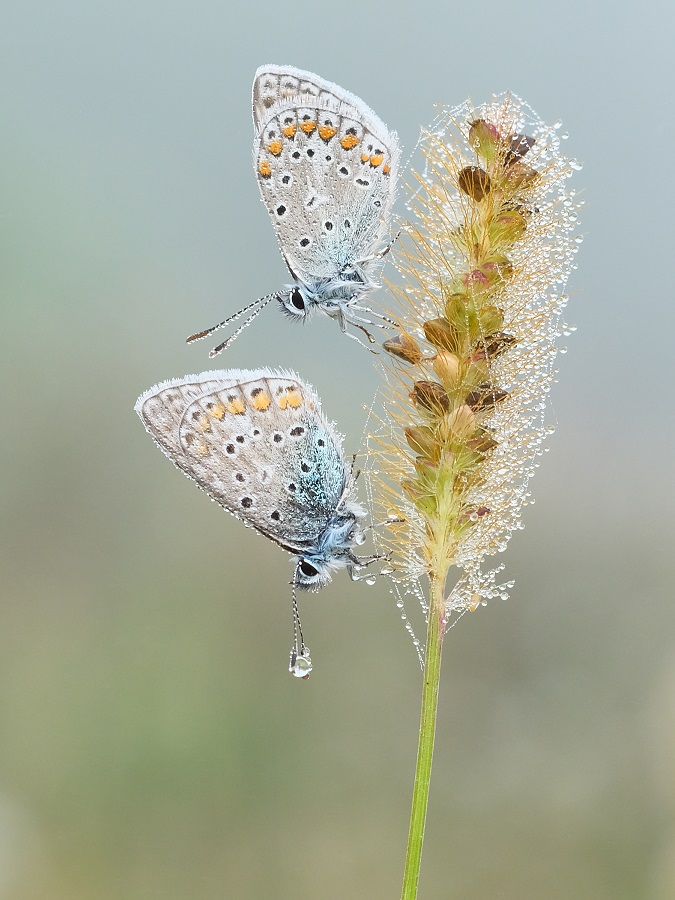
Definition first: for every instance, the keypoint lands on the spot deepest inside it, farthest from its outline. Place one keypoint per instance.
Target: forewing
(272, 84)
(257, 443)
(326, 167)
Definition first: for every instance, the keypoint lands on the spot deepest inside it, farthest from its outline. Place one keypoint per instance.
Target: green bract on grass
(483, 265)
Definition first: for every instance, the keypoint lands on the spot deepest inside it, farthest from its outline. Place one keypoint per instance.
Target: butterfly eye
(297, 299)
(308, 570)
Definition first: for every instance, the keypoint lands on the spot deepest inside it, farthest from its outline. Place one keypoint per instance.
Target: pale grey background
(151, 744)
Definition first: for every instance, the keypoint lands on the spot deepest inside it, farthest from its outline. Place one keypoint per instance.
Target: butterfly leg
(354, 319)
(360, 562)
(342, 321)
(391, 243)
(376, 314)
(392, 521)
(380, 254)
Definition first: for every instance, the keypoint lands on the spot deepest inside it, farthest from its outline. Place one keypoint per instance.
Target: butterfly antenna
(235, 334)
(260, 302)
(300, 664)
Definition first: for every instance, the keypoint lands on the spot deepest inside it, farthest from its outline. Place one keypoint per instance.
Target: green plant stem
(425, 747)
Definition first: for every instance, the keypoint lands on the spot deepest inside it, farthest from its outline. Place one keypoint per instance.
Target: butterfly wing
(326, 167)
(257, 443)
(273, 84)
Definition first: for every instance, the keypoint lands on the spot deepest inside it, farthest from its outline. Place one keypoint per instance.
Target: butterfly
(258, 444)
(326, 167)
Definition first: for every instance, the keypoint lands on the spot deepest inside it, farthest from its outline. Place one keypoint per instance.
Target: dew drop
(300, 666)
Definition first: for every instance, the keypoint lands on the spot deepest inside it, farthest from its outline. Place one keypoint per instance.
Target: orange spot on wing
(218, 411)
(265, 169)
(386, 169)
(326, 132)
(294, 399)
(202, 448)
(349, 141)
(308, 127)
(376, 159)
(261, 401)
(274, 148)
(365, 157)
(236, 406)
(204, 424)
(289, 131)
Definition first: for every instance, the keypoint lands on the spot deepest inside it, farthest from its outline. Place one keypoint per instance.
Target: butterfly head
(312, 573)
(297, 301)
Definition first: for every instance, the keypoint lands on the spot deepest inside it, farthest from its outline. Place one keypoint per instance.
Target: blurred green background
(152, 744)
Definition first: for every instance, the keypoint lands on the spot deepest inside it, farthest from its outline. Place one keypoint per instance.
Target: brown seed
(404, 347)
(475, 182)
(518, 176)
(431, 396)
(483, 442)
(485, 396)
(519, 145)
(493, 345)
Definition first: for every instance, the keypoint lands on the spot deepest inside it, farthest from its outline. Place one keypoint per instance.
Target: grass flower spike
(484, 264)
